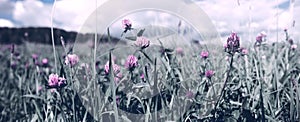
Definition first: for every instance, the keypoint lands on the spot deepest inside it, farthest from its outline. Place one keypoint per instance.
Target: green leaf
(33, 96)
(146, 56)
(140, 33)
(168, 50)
(132, 38)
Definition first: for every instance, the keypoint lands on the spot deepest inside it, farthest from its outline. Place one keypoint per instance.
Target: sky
(247, 17)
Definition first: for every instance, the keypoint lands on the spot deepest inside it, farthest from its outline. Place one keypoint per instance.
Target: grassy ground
(261, 85)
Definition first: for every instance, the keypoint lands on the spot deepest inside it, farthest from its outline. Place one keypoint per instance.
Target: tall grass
(261, 85)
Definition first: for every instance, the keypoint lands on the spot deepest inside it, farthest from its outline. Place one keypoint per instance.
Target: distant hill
(43, 35)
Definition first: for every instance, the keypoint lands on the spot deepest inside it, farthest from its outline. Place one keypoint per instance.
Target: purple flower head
(263, 33)
(119, 75)
(131, 62)
(61, 81)
(204, 54)
(142, 42)
(71, 59)
(261, 37)
(243, 51)
(39, 88)
(44, 61)
(84, 66)
(225, 46)
(209, 73)
(34, 56)
(233, 39)
(55, 81)
(126, 23)
(142, 76)
(189, 94)
(294, 46)
(258, 38)
(227, 58)
(179, 51)
(115, 67)
(118, 78)
(233, 43)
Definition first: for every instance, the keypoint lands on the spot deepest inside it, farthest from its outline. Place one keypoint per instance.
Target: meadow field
(141, 81)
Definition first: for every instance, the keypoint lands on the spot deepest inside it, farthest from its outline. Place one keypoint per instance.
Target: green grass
(260, 85)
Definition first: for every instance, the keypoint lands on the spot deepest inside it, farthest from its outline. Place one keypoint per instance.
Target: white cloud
(73, 13)
(260, 13)
(248, 16)
(32, 13)
(236, 16)
(6, 23)
(68, 14)
(295, 30)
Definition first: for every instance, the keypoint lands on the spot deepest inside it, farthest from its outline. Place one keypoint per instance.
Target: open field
(151, 82)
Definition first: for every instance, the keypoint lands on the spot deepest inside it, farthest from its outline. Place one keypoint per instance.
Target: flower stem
(225, 82)
(52, 36)
(112, 83)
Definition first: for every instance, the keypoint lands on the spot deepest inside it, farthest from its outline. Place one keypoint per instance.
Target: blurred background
(246, 17)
